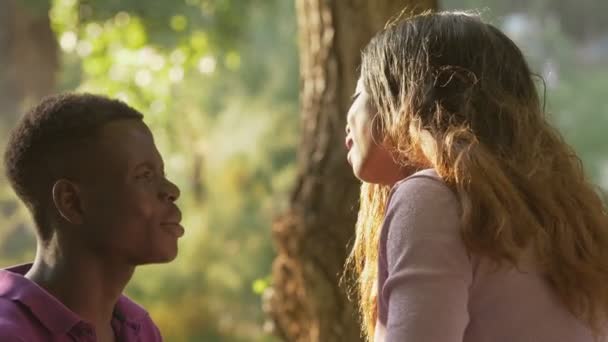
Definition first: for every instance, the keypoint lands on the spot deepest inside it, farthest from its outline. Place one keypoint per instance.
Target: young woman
(477, 222)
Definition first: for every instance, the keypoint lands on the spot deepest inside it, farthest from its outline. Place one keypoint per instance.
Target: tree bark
(28, 66)
(311, 238)
(28, 57)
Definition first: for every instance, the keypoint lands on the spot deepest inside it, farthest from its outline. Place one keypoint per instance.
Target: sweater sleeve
(429, 270)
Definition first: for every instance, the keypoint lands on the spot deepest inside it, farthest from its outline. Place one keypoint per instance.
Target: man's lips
(174, 216)
(172, 223)
(174, 228)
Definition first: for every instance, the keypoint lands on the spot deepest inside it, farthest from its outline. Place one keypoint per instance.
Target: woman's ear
(378, 130)
(67, 201)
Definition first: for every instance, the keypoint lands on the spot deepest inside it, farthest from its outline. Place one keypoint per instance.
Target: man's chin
(159, 258)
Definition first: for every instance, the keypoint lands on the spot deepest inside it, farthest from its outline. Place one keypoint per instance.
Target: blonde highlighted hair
(455, 94)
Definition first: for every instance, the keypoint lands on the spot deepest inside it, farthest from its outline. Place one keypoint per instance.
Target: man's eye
(145, 175)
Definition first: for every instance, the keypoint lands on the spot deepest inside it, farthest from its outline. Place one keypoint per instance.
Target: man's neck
(83, 282)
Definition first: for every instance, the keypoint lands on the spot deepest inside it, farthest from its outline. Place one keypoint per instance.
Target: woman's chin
(355, 165)
(362, 174)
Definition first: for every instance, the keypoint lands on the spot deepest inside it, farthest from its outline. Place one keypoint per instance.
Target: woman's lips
(348, 143)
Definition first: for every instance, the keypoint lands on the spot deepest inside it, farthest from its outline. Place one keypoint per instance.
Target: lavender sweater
(429, 289)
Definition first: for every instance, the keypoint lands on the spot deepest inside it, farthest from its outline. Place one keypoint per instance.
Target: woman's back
(425, 271)
(518, 305)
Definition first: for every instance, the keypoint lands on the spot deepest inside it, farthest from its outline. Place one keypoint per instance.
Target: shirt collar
(51, 312)
(48, 310)
(129, 313)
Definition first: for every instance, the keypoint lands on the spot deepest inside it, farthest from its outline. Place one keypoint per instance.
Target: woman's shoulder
(422, 204)
(423, 187)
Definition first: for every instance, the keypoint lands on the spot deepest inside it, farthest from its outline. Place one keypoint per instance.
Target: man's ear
(67, 200)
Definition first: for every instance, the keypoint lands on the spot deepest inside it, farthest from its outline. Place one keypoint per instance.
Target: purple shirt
(30, 314)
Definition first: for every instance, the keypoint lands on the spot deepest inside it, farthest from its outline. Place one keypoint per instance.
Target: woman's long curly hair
(454, 93)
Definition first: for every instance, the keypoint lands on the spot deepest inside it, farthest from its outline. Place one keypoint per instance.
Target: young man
(89, 172)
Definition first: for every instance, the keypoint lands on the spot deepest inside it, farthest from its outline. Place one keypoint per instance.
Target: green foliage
(581, 112)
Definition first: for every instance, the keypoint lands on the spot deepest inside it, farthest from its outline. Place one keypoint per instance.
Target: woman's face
(371, 161)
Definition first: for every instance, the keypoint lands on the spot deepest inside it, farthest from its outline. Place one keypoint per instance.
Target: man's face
(128, 205)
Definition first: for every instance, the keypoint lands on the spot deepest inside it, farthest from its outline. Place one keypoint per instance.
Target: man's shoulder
(10, 330)
(12, 311)
(15, 321)
(7, 334)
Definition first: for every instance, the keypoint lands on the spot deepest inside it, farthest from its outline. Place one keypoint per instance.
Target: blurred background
(218, 83)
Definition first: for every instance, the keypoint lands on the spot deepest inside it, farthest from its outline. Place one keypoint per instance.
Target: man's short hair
(41, 146)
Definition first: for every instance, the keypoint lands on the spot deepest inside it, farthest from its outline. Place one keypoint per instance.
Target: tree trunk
(28, 67)
(28, 57)
(311, 238)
